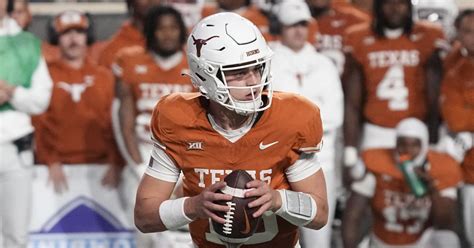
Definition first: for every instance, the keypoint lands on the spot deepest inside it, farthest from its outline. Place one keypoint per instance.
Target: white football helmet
(443, 12)
(225, 42)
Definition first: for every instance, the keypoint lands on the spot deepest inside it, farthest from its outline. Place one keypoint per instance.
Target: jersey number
(392, 88)
(392, 215)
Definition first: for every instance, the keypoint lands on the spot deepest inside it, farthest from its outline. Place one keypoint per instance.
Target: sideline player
(401, 218)
(144, 77)
(392, 72)
(457, 105)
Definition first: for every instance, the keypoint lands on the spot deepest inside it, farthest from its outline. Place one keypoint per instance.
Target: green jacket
(19, 56)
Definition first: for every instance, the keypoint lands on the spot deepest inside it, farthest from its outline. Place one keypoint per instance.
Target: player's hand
(6, 91)
(57, 177)
(3, 97)
(202, 206)
(426, 178)
(267, 198)
(112, 176)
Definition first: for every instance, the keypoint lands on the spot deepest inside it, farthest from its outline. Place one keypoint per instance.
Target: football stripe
(239, 193)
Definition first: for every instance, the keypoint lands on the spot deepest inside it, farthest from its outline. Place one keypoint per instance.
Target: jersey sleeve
(351, 42)
(310, 135)
(445, 171)
(305, 166)
(161, 128)
(433, 39)
(122, 59)
(161, 166)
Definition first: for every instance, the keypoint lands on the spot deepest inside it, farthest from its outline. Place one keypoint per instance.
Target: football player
(393, 72)
(25, 89)
(297, 67)
(400, 218)
(235, 122)
(332, 21)
(130, 34)
(442, 12)
(144, 77)
(457, 105)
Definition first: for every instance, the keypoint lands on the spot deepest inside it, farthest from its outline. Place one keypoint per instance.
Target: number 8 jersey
(393, 70)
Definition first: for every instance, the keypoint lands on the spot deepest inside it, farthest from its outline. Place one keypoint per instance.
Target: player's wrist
(350, 156)
(172, 213)
(276, 204)
(190, 207)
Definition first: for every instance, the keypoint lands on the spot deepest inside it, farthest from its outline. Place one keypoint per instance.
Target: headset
(53, 36)
(10, 6)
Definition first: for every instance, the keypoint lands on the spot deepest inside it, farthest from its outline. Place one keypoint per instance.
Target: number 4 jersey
(400, 218)
(393, 71)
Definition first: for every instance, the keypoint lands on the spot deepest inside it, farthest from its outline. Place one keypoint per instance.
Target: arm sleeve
(161, 166)
(305, 166)
(34, 100)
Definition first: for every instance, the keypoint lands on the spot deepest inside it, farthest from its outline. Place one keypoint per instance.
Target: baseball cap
(70, 19)
(293, 11)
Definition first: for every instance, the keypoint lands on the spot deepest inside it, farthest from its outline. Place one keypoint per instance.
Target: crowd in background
(380, 71)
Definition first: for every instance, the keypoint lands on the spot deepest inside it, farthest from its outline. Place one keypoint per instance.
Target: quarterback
(235, 122)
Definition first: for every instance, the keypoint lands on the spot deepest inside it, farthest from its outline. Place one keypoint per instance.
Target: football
(240, 225)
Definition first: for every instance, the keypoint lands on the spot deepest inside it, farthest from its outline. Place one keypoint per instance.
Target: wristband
(172, 213)
(350, 156)
(298, 208)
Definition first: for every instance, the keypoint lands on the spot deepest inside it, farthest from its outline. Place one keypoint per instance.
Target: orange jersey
(393, 71)
(457, 105)
(327, 33)
(400, 218)
(149, 83)
(180, 124)
(252, 13)
(127, 36)
(77, 127)
(333, 25)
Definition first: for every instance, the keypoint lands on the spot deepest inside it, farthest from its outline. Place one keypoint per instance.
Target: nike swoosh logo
(263, 147)
(247, 224)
